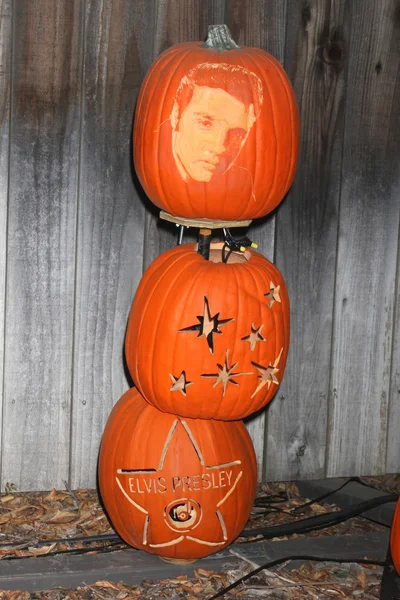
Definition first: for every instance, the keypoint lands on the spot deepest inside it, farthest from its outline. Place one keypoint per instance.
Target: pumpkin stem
(220, 38)
(204, 243)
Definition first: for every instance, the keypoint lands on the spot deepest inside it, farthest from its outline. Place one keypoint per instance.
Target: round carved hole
(183, 514)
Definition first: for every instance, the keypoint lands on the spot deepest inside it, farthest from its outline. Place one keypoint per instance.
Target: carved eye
(204, 122)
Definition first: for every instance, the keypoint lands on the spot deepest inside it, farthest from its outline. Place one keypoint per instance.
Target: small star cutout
(224, 376)
(207, 326)
(267, 376)
(254, 337)
(179, 384)
(273, 294)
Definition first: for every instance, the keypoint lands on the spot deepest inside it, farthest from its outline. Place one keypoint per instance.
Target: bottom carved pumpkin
(395, 539)
(180, 488)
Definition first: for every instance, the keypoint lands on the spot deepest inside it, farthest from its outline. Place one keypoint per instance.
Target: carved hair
(241, 83)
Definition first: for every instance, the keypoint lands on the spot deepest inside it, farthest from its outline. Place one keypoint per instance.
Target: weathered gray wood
(5, 87)
(393, 438)
(111, 221)
(133, 566)
(262, 25)
(306, 233)
(368, 238)
(44, 150)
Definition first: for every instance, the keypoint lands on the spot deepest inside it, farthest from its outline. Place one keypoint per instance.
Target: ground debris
(34, 524)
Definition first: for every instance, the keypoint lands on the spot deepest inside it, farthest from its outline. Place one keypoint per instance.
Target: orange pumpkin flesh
(216, 132)
(179, 488)
(395, 539)
(206, 339)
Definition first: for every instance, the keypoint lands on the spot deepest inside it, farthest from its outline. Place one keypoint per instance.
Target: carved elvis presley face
(210, 133)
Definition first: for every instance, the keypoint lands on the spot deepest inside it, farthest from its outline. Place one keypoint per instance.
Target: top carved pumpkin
(216, 130)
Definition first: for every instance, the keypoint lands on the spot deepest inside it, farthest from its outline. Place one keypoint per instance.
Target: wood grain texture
(5, 86)
(393, 438)
(368, 238)
(306, 233)
(111, 221)
(41, 242)
(260, 24)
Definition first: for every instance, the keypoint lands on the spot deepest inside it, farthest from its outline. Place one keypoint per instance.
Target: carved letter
(162, 485)
(131, 485)
(196, 482)
(186, 483)
(222, 479)
(205, 478)
(229, 476)
(148, 485)
(176, 482)
(214, 484)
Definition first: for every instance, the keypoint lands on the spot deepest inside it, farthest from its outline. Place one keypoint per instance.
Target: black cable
(300, 526)
(327, 494)
(110, 548)
(273, 563)
(319, 521)
(87, 539)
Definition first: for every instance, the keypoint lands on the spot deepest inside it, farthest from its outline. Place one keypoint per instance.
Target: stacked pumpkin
(215, 144)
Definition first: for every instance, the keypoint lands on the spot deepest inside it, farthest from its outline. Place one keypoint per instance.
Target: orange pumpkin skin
(237, 368)
(395, 539)
(242, 171)
(179, 488)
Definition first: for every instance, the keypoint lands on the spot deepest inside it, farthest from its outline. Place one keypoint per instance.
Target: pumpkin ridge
(276, 148)
(249, 274)
(272, 272)
(167, 91)
(256, 137)
(149, 78)
(142, 285)
(167, 291)
(189, 291)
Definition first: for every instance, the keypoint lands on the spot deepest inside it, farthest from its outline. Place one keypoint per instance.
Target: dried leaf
(42, 549)
(106, 584)
(362, 578)
(7, 498)
(61, 516)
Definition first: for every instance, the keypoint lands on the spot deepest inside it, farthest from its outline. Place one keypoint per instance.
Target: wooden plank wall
(76, 231)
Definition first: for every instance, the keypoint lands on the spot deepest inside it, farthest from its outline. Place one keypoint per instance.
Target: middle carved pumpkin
(209, 339)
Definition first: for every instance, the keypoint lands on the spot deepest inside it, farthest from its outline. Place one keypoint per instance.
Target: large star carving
(207, 325)
(267, 376)
(179, 384)
(254, 337)
(273, 294)
(183, 514)
(225, 374)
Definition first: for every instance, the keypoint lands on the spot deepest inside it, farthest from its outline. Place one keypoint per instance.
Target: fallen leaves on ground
(35, 523)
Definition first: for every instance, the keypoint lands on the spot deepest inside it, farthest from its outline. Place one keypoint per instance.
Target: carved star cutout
(208, 325)
(179, 384)
(225, 374)
(267, 376)
(183, 514)
(273, 294)
(254, 337)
